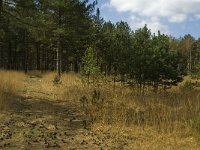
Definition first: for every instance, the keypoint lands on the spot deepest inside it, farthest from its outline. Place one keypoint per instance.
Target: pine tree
(164, 69)
(140, 57)
(90, 67)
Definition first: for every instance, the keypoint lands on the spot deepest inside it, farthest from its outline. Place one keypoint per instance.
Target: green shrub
(197, 70)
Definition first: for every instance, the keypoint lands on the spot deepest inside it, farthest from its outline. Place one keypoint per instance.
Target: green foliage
(197, 70)
(141, 55)
(152, 61)
(164, 64)
(90, 67)
(122, 48)
(50, 35)
(45, 22)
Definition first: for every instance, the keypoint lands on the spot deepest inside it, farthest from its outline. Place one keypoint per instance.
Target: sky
(172, 17)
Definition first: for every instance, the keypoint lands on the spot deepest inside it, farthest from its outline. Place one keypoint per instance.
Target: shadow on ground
(30, 123)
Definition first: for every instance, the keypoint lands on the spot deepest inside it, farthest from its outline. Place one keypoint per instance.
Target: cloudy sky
(174, 17)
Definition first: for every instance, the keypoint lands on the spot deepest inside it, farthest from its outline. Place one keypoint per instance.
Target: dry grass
(34, 73)
(66, 90)
(163, 119)
(11, 83)
(123, 105)
(138, 138)
(119, 115)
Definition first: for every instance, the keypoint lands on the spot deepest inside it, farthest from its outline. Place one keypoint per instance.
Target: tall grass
(67, 89)
(11, 83)
(166, 111)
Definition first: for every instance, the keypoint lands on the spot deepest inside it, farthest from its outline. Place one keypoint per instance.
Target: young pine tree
(90, 68)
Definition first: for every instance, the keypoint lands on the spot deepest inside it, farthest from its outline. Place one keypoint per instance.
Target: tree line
(55, 35)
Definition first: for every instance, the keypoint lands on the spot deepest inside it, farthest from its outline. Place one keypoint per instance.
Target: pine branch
(20, 20)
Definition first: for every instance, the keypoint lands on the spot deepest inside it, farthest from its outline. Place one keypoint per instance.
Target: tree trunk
(190, 61)
(15, 62)
(25, 64)
(9, 56)
(58, 58)
(42, 48)
(1, 7)
(1, 57)
(1, 10)
(156, 84)
(46, 64)
(38, 56)
(59, 47)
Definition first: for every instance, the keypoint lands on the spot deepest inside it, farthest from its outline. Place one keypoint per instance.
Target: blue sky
(173, 17)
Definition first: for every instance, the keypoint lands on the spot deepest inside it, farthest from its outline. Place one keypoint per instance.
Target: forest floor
(36, 121)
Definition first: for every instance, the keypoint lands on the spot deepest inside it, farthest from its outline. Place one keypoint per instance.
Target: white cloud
(173, 10)
(178, 18)
(153, 12)
(106, 5)
(197, 16)
(152, 23)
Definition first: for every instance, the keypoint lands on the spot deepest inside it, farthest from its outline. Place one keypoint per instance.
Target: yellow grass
(166, 111)
(11, 83)
(151, 121)
(148, 138)
(68, 89)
